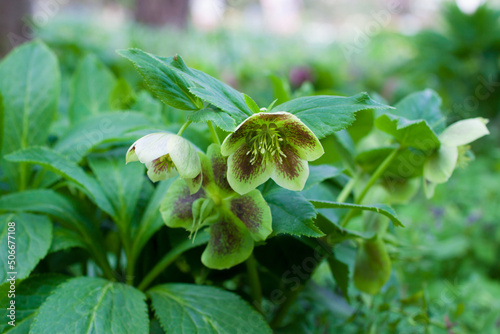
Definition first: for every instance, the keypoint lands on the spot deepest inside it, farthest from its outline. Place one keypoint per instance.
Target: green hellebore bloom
(166, 155)
(441, 164)
(270, 145)
(235, 222)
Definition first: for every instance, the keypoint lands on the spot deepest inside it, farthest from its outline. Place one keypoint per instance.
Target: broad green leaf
(340, 272)
(281, 89)
(383, 209)
(373, 266)
(30, 295)
(220, 118)
(204, 310)
(422, 105)
(60, 165)
(91, 89)
(122, 96)
(213, 91)
(32, 239)
(408, 162)
(93, 305)
(29, 86)
(292, 213)
(327, 114)
(151, 219)
(165, 82)
(319, 173)
(45, 201)
(121, 183)
(63, 238)
(362, 125)
(87, 134)
(409, 133)
(337, 234)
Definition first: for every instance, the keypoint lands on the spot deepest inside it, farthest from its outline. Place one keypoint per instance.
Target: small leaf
(91, 89)
(58, 164)
(89, 305)
(30, 295)
(291, 212)
(204, 310)
(32, 239)
(165, 82)
(220, 118)
(325, 115)
(373, 266)
(380, 208)
(251, 104)
(281, 89)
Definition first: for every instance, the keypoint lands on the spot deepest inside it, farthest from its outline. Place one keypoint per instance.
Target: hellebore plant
(166, 155)
(270, 145)
(454, 146)
(235, 221)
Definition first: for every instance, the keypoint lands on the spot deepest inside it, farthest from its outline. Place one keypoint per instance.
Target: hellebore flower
(235, 222)
(270, 145)
(166, 155)
(441, 164)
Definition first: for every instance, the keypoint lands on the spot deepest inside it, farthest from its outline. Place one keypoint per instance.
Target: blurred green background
(446, 260)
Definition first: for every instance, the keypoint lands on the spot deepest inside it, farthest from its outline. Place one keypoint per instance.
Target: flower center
(266, 142)
(163, 163)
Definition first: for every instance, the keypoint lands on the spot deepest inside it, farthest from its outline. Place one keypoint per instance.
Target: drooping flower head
(270, 145)
(235, 222)
(166, 155)
(454, 140)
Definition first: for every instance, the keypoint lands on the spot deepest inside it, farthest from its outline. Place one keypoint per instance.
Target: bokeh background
(448, 256)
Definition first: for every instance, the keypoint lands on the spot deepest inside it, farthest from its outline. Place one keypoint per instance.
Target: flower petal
(131, 156)
(440, 165)
(292, 172)
(300, 136)
(218, 164)
(242, 175)
(239, 136)
(253, 211)
(184, 157)
(176, 207)
(159, 172)
(230, 243)
(152, 146)
(464, 132)
(194, 184)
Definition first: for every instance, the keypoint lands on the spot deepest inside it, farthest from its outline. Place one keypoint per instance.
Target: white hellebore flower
(166, 155)
(440, 165)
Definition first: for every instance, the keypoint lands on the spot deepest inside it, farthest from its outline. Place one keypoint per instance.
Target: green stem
(375, 176)
(253, 277)
(280, 314)
(347, 190)
(215, 137)
(184, 126)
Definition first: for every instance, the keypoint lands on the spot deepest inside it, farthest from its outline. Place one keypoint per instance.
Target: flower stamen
(266, 143)
(163, 163)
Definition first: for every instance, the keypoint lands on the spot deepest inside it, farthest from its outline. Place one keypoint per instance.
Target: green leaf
(340, 272)
(281, 89)
(337, 234)
(122, 96)
(292, 213)
(422, 105)
(251, 104)
(383, 209)
(220, 118)
(373, 266)
(58, 164)
(45, 201)
(63, 238)
(320, 173)
(165, 82)
(326, 114)
(213, 91)
(121, 183)
(30, 295)
(204, 310)
(29, 86)
(33, 236)
(91, 89)
(151, 219)
(102, 128)
(409, 133)
(93, 305)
